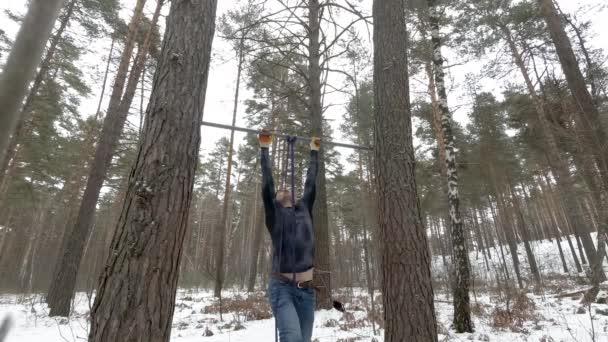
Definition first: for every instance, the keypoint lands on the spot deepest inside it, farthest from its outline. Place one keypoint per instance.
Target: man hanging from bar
(290, 289)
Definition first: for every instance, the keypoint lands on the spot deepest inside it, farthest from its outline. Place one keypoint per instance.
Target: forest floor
(499, 313)
(530, 317)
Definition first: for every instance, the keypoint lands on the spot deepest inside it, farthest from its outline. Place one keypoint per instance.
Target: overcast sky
(220, 92)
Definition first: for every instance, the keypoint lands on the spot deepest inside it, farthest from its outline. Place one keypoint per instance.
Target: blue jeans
(294, 310)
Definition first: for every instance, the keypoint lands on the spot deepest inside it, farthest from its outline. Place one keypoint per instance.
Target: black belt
(307, 285)
(299, 284)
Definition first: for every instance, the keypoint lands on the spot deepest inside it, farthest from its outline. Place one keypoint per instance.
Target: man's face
(284, 197)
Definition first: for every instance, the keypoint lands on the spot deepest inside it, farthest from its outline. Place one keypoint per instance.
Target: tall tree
(244, 20)
(136, 295)
(40, 75)
(61, 53)
(64, 283)
(22, 62)
(594, 137)
(504, 19)
(320, 212)
(406, 278)
(462, 309)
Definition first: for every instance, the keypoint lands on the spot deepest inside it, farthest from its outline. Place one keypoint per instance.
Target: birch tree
(462, 310)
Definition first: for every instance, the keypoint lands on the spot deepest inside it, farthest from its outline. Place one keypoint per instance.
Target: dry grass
(517, 310)
(349, 322)
(252, 308)
(479, 309)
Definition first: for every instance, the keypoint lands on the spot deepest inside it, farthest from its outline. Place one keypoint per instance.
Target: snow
(547, 259)
(555, 318)
(551, 318)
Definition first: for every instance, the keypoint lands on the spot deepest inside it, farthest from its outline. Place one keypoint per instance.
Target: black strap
(291, 141)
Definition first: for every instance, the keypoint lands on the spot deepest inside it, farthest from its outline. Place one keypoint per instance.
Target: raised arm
(267, 181)
(310, 186)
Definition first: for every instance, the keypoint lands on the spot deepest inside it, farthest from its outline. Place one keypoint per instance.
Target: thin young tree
(462, 309)
(237, 36)
(407, 290)
(21, 64)
(136, 295)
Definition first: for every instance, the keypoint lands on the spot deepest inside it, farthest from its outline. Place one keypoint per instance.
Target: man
(290, 289)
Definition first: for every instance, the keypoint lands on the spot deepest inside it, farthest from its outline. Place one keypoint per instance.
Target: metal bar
(282, 135)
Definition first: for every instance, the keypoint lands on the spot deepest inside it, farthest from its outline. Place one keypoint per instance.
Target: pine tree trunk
(256, 246)
(559, 220)
(508, 228)
(587, 110)
(561, 254)
(406, 278)
(64, 283)
(462, 274)
(442, 247)
(369, 277)
(320, 213)
(558, 165)
(525, 237)
(221, 233)
(480, 243)
(436, 120)
(502, 240)
(16, 245)
(21, 64)
(589, 122)
(105, 78)
(23, 127)
(28, 263)
(136, 295)
(199, 237)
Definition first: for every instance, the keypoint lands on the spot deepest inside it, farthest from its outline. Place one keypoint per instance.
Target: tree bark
(21, 64)
(320, 213)
(221, 233)
(136, 294)
(462, 274)
(406, 278)
(64, 283)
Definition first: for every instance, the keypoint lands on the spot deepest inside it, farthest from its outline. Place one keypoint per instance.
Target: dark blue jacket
(291, 229)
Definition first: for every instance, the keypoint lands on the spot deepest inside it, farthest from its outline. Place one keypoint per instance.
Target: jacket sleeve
(267, 189)
(310, 186)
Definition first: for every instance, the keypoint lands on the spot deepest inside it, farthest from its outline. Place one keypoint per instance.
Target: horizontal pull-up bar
(282, 135)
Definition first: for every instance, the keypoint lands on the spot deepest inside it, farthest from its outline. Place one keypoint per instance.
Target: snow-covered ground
(534, 317)
(547, 258)
(551, 319)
